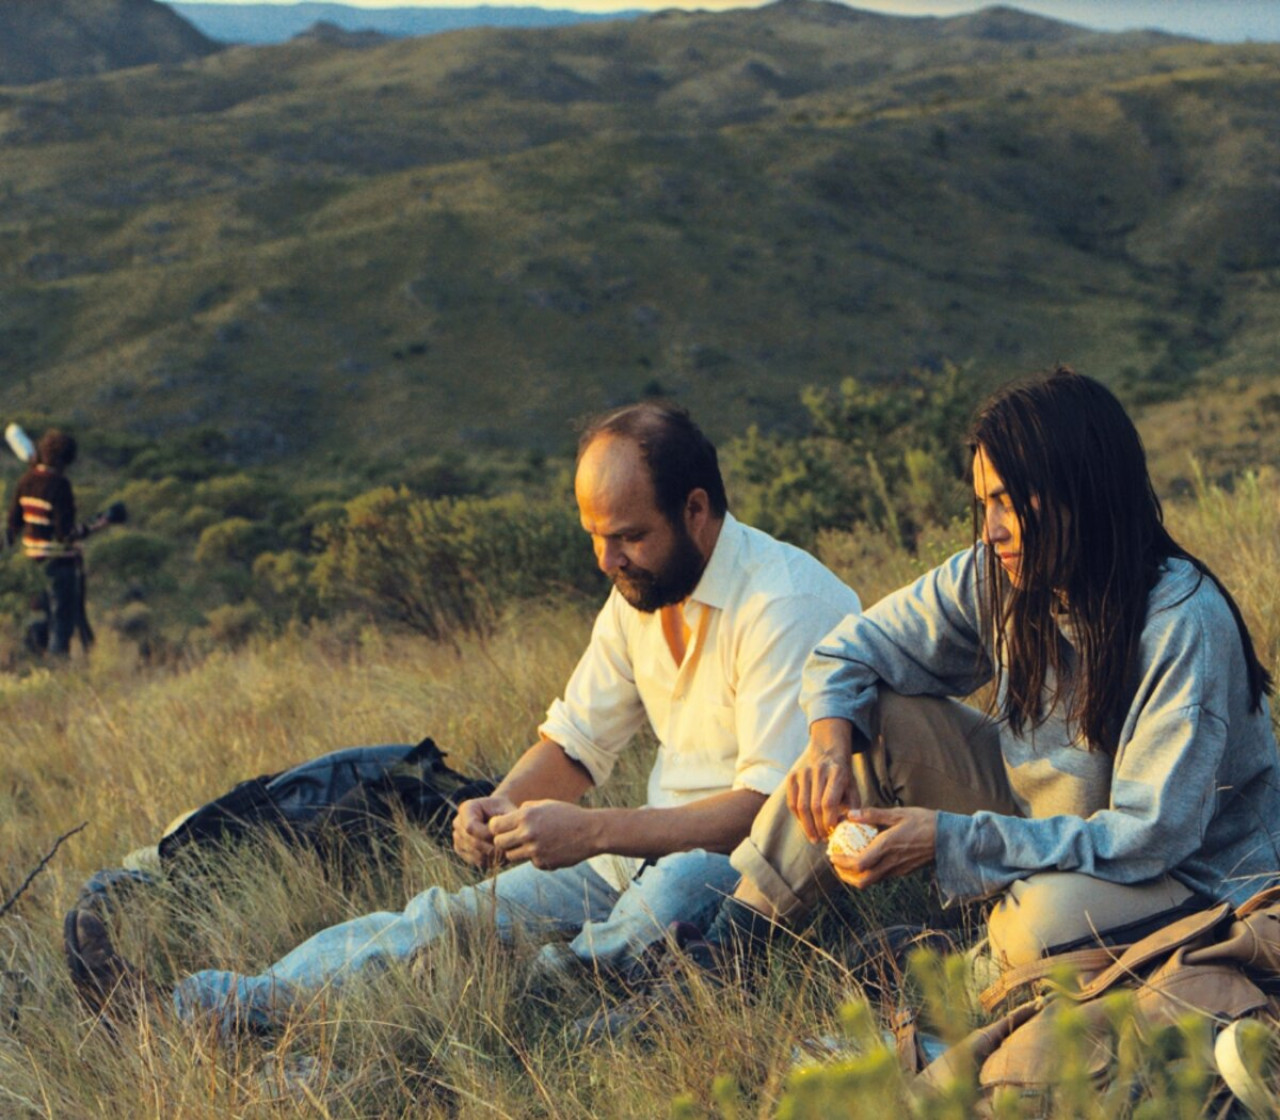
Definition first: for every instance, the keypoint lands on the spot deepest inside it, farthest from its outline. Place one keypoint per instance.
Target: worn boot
(108, 985)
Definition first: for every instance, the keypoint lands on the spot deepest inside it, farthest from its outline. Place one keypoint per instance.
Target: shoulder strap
(1156, 946)
(1260, 900)
(1084, 961)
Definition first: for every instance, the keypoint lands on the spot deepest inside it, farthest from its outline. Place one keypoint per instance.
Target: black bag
(348, 796)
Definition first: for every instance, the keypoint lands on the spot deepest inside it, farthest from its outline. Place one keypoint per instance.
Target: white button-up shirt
(729, 716)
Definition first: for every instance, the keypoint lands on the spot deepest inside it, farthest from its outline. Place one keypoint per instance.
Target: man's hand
(908, 840)
(549, 834)
(472, 832)
(818, 784)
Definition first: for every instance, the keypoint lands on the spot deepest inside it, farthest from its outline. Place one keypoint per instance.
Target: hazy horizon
(1220, 20)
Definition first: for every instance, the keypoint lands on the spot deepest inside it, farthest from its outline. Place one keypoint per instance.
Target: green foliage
(440, 565)
(866, 1081)
(237, 540)
(283, 584)
(150, 497)
(889, 456)
(189, 520)
(238, 495)
(130, 554)
(191, 456)
(789, 488)
(115, 450)
(135, 621)
(20, 579)
(233, 254)
(233, 624)
(1149, 1072)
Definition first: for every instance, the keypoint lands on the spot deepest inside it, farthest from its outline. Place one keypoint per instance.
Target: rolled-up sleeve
(601, 708)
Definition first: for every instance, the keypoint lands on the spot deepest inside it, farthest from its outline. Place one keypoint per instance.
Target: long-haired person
(1125, 767)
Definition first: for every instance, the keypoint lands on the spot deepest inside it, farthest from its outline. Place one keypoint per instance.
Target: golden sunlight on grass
(464, 1033)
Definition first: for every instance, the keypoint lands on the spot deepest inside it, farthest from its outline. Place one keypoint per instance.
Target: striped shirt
(43, 515)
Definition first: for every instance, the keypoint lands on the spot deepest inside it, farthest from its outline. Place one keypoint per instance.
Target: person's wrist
(602, 828)
(831, 738)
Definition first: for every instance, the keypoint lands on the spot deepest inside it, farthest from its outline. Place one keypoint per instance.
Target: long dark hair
(1093, 538)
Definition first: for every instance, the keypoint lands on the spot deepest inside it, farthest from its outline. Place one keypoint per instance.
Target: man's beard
(650, 591)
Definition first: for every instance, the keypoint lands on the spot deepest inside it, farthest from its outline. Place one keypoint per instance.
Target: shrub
(235, 623)
(237, 495)
(130, 554)
(888, 455)
(194, 520)
(282, 583)
(438, 565)
(237, 540)
(147, 497)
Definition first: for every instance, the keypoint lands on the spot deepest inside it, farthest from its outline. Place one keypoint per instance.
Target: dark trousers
(66, 604)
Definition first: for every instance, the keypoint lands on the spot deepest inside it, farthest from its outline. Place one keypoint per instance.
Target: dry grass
(126, 749)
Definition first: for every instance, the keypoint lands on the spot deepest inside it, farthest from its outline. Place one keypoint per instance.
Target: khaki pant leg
(1055, 908)
(926, 752)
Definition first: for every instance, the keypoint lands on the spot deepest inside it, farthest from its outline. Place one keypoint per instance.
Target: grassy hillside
(462, 241)
(125, 748)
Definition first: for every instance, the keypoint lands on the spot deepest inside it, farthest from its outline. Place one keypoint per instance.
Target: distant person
(1126, 769)
(702, 640)
(43, 517)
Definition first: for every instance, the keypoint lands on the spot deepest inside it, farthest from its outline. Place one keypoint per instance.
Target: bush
(235, 623)
(237, 540)
(443, 565)
(194, 520)
(282, 583)
(129, 554)
(238, 495)
(147, 497)
(889, 456)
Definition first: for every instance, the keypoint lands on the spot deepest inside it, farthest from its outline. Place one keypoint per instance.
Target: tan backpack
(1222, 963)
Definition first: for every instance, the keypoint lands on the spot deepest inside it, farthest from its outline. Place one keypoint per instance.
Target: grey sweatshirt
(1194, 788)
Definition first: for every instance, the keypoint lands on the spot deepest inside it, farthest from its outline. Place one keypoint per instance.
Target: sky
(1225, 20)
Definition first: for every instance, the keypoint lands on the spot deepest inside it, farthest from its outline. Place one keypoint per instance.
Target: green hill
(463, 241)
(68, 38)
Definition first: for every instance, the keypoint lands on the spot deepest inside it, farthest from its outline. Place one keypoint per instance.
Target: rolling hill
(461, 242)
(73, 38)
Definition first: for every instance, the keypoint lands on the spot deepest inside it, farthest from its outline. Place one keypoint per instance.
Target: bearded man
(703, 638)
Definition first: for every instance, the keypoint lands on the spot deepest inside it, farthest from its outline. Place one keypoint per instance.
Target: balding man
(702, 639)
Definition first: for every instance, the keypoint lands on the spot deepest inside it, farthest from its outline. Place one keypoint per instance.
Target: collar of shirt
(716, 583)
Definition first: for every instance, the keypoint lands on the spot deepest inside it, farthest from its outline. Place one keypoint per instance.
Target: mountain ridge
(275, 23)
(460, 242)
(77, 38)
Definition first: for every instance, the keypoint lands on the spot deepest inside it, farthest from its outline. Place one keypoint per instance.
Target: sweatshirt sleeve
(1164, 786)
(923, 640)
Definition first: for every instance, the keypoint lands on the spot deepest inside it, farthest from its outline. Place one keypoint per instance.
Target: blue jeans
(608, 927)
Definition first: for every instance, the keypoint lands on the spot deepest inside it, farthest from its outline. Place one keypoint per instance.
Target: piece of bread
(849, 837)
